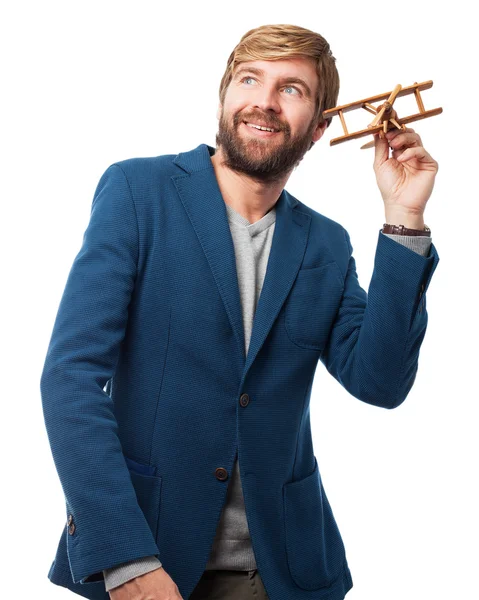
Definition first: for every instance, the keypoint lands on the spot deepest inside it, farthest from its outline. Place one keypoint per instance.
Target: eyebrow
(242, 70)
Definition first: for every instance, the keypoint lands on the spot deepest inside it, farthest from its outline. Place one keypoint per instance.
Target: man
(204, 296)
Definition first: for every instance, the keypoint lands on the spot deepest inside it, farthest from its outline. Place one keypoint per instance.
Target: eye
(293, 87)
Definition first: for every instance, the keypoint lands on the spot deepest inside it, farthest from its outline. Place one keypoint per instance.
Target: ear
(218, 112)
(318, 132)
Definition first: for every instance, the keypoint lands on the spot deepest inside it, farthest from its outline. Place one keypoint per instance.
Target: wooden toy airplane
(385, 116)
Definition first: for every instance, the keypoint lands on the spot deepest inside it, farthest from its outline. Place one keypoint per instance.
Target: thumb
(381, 150)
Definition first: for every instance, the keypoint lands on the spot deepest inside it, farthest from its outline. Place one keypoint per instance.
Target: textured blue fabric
(151, 307)
(237, 550)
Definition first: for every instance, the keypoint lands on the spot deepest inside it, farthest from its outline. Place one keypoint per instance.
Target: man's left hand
(406, 179)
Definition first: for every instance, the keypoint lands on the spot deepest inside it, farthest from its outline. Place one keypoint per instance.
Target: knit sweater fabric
(232, 547)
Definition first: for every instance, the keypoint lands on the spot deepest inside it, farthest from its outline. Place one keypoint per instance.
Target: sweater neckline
(252, 228)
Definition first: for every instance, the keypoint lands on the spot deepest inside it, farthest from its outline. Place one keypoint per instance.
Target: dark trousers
(221, 584)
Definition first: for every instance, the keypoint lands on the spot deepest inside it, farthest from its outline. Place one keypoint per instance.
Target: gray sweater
(232, 547)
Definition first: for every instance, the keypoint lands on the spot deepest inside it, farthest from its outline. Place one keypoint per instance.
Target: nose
(266, 100)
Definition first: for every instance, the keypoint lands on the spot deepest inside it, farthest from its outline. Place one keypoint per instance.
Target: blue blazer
(148, 396)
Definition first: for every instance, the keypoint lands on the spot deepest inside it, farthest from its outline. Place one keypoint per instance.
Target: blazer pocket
(314, 547)
(312, 305)
(148, 491)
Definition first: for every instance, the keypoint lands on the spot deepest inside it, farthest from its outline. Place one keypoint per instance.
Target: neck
(250, 198)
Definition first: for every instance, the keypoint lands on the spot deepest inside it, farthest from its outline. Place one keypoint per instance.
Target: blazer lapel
(205, 206)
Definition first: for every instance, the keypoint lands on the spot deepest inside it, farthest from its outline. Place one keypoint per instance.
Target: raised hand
(406, 178)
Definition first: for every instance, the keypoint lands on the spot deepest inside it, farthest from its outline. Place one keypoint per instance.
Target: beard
(263, 159)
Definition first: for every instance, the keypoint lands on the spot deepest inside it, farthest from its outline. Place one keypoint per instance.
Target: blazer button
(71, 529)
(70, 519)
(221, 474)
(244, 399)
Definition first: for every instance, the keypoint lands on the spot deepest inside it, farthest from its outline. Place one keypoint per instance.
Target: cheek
(297, 125)
(233, 115)
(234, 105)
(306, 124)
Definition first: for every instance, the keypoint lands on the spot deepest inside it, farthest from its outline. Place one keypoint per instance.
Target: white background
(85, 84)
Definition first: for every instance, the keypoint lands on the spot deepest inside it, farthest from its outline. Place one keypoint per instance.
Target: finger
(381, 150)
(404, 139)
(391, 133)
(397, 153)
(419, 153)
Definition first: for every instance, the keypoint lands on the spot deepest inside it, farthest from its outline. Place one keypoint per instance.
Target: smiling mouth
(260, 132)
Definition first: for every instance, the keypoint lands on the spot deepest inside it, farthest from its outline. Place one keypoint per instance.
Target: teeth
(259, 127)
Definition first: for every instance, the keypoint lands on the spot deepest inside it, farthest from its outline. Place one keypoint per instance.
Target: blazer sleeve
(109, 526)
(373, 346)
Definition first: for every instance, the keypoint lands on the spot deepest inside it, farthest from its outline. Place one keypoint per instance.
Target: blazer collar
(199, 192)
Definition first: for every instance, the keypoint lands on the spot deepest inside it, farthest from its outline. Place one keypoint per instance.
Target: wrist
(409, 220)
(401, 230)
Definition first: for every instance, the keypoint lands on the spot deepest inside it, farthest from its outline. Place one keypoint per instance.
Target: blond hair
(276, 42)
